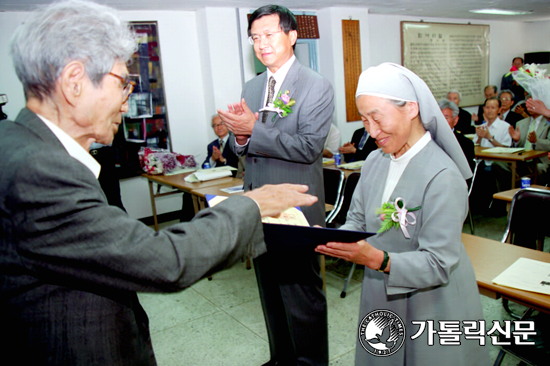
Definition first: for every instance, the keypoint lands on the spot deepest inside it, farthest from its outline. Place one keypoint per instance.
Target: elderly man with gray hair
(464, 124)
(70, 264)
(450, 112)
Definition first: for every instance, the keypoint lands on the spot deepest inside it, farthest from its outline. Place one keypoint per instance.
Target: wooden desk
(510, 158)
(216, 190)
(490, 258)
(508, 195)
(178, 183)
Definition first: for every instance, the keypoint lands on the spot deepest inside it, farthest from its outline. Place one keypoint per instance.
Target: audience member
(508, 82)
(489, 91)
(332, 143)
(360, 146)
(506, 98)
(464, 124)
(70, 264)
(492, 133)
(286, 149)
(533, 134)
(218, 152)
(450, 112)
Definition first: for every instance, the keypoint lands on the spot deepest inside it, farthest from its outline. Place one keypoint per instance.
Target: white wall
(331, 57)
(202, 68)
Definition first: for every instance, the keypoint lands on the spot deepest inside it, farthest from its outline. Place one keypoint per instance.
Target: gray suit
(289, 150)
(70, 263)
(542, 144)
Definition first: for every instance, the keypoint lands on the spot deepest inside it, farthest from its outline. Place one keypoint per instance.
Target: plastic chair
(339, 218)
(528, 225)
(470, 188)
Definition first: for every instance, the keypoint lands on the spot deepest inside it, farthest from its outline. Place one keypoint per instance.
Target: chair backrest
(351, 182)
(333, 180)
(471, 181)
(529, 218)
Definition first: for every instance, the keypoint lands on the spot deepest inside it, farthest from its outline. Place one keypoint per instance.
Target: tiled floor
(220, 322)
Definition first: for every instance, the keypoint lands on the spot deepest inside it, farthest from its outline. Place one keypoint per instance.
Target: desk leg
(153, 206)
(196, 203)
(513, 165)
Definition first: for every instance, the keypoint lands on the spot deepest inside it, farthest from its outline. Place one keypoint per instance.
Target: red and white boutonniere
(396, 215)
(282, 105)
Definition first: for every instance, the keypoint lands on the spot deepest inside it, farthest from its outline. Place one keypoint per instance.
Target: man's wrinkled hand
(274, 199)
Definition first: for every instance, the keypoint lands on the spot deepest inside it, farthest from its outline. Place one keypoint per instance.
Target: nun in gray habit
(413, 194)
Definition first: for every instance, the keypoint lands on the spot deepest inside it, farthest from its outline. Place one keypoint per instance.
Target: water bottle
(337, 159)
(206, 165)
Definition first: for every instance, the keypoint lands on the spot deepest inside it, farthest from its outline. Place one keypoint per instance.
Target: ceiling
(458, 9)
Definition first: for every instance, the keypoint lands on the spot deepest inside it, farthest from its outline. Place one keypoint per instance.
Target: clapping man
(505, 113)
(218, 151)
(286, 149)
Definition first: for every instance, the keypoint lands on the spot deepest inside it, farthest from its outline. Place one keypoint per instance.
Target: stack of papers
(209, 174)
(504, 150)
(526, 274)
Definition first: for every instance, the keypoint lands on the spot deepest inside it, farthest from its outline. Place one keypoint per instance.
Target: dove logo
(381, 333)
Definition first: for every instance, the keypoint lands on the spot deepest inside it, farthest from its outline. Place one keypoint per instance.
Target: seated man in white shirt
(493, 133)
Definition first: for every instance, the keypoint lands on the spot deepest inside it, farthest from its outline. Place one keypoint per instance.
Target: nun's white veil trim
(397, 82)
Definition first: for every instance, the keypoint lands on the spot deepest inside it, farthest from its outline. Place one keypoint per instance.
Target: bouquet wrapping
(160, 161)
(533, 79)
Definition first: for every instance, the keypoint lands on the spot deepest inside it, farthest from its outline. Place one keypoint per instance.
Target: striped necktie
(270, 93)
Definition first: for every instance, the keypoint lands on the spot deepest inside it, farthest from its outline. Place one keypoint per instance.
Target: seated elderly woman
(417, 269)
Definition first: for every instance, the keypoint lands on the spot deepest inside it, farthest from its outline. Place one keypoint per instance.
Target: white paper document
(526, 274)
(504, 150)
(291, 216)
(209, 174)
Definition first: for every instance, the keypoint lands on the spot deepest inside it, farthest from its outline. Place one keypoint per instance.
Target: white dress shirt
(73, 148)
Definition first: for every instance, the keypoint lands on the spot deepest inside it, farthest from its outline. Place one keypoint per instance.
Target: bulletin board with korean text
(448, 57)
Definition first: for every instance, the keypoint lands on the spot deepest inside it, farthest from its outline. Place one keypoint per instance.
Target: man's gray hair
(445, 103)
(66, 31)
(455, 91)
(507, 91)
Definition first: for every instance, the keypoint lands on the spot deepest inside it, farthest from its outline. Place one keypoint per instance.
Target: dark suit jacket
(70, 263)
(467, 147)
(512, 118)
(370, 146)
(228, 154)
(290, 149)
(464, 124)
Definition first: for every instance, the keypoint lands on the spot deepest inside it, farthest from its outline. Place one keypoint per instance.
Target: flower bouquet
(533, 79)
(160, 161)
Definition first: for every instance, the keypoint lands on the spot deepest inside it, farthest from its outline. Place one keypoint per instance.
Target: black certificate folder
(280, 237)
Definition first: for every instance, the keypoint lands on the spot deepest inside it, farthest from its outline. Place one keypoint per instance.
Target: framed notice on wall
(448, 57)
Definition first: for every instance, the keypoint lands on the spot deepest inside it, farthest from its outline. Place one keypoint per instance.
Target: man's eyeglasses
(218, 125)
(256, 38)
(127, 86)
(505, 99)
